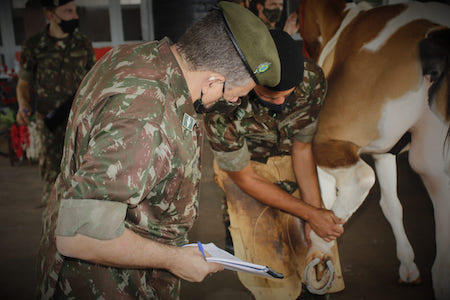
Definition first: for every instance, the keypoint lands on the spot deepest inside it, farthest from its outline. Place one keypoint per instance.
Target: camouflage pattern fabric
(55, 68)
(128, 142)
(50, 155)
(253, 132)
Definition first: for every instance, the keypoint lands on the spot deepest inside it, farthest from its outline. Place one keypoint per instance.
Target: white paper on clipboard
(233, 263)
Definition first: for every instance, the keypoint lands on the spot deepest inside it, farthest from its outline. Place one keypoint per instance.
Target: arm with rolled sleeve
(113, 173)
(314, 86)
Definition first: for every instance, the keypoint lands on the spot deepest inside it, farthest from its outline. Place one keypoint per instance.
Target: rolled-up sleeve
(98, 219)
(306, 134)
(233, 161)
(227, 143)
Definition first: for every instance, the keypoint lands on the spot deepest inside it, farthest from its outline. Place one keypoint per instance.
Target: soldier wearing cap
(128, 190)
(273, 126)
(54, 62)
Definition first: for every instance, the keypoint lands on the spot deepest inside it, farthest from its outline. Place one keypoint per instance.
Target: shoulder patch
(239, 113)
(188, 122)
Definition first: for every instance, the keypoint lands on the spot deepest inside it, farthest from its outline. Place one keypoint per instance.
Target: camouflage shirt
(131, 159)
(55, 67)
(253, 132)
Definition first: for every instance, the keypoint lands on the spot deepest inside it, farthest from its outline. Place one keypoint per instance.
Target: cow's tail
(435, 57)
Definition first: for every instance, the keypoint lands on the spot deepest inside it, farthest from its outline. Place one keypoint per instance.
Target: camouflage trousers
(52, 144)
(79, 279)
(82, 280)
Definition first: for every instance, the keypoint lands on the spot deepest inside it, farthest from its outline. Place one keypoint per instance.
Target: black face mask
(273, 15)
(68, 26)
(273, 107)
(221, 106)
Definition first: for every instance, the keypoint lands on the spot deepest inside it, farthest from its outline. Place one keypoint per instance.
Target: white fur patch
(353, 11)
(397, 117)
(435, 12)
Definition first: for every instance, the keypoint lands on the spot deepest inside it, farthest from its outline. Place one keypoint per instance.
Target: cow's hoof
(409, 274)
(319, 276)
(417, 281)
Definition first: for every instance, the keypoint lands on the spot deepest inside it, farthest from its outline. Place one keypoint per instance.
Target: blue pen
(200, 247)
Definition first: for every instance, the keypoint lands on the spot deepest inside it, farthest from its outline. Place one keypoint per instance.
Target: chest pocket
(78, 61)
(47, 70)
(60, 72)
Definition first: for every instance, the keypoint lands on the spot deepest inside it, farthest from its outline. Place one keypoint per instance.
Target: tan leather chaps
(269, 236)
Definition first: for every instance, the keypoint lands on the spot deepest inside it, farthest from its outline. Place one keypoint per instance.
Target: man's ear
(211, 80)
(214, 78)
(50, 15)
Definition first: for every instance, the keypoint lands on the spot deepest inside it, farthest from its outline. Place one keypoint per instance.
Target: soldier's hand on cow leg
(326, 224)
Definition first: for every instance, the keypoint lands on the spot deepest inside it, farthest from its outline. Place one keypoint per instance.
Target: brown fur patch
(321, 18)
(362, 82)
(335, 154)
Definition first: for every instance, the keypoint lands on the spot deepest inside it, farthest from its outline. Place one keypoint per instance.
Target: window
(94, 19)
(131, 15)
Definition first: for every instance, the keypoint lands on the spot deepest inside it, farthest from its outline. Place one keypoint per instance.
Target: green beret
(253, 42)
(54, 3)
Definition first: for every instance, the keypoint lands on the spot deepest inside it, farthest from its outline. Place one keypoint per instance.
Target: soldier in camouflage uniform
(54, 62)
(270, 11)
(255, 146)
(128, 190)
(277, 121)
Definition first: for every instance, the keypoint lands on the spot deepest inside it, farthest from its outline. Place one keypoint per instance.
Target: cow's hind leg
(429, 157)
(386, 168)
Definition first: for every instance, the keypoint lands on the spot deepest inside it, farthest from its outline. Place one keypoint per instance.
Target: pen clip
(200, 247)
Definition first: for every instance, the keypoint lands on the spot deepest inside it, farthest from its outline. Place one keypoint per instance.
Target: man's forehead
(68, 6)
(272, 2)
(263, 91)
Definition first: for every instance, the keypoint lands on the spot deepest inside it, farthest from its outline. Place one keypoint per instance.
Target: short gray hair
(206, 46)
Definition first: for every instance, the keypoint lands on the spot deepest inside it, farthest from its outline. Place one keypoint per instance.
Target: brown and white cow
(388, 74)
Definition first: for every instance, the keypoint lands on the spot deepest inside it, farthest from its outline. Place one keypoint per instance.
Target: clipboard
(231, 262)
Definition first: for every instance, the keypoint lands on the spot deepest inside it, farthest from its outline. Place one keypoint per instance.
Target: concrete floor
(367, 248)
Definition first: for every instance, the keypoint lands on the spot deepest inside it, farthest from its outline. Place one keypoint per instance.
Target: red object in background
(20, 139)
(99, 52)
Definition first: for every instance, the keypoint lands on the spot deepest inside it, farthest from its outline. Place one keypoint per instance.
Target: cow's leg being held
(386, 168)
(352, 184)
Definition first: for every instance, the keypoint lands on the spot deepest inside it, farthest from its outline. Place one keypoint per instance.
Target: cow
(387, 69)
